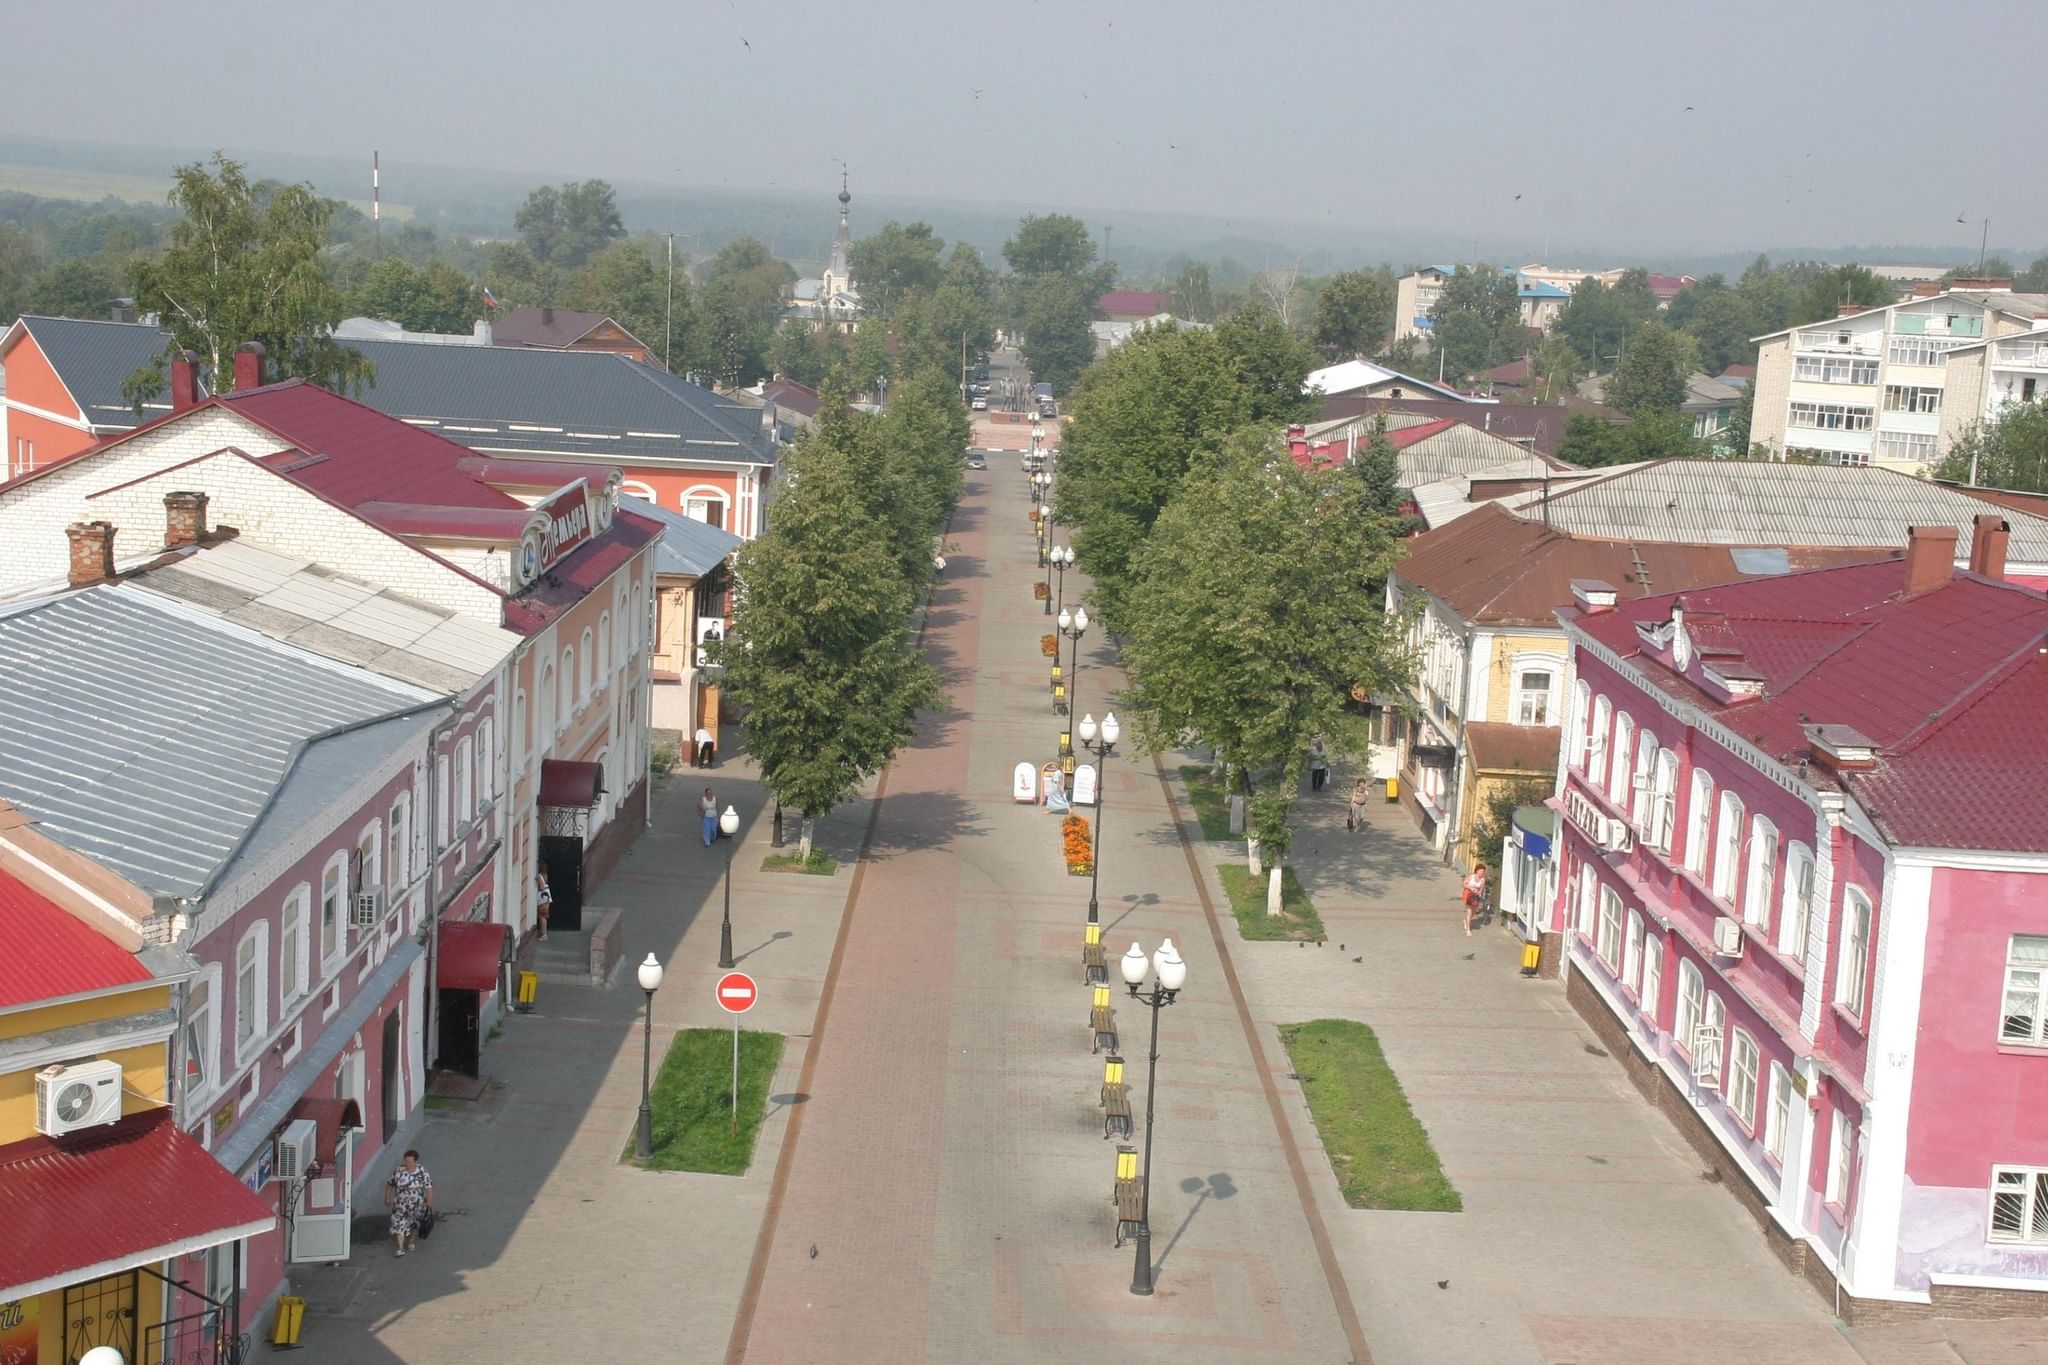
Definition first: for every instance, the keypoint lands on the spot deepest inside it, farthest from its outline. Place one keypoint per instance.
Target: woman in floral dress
(410, 1195)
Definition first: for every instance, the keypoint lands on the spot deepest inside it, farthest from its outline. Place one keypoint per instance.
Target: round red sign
(737, 992)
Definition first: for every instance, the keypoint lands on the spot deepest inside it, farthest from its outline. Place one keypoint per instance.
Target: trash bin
(1532, 957)
(1393, 789)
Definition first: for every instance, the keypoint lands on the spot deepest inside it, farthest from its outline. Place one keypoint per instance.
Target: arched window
(1699, 819)
(1596, 743)
(1795, 912)
(465, 780)
(252, 1012)
(1663, 799)
(333, 912)
(1617, 782)
(1641, 802)
(707, 503)
(608, 661)
(292, 965)
(565, 702)
(633, 488)
(370, 857)
(589, 688)
(1758, 887)
(399, 866)
(486, 759)
(544, 706)
(1728, 846)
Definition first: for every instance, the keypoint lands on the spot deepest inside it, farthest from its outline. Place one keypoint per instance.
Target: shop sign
(224, 1116)
(19, 1331)
(559, 524)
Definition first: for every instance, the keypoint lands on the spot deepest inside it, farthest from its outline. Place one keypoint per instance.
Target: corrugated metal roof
(1755, 502)
(51, 954)
(688, 545)
(578, 402)
(151, 738)
(94, 359)
(132, 1193)
(309, 606)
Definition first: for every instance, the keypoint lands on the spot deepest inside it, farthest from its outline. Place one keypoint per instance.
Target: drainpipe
(431, 1021)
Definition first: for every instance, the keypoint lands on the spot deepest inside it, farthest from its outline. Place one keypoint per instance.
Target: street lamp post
(728, 825)
(1172, 974)
(1059, 560)
(1102, 748)
(1073, 625)
(650, 981)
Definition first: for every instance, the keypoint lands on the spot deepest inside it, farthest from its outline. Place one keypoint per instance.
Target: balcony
(2020, 355)
(1832, 341)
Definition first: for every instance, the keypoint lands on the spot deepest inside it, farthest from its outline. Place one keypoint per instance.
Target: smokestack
(184, 519)
(1930, 558)
(92, 552)
(376, 201)
(249, 365)
(1987, 545)
(184, 380)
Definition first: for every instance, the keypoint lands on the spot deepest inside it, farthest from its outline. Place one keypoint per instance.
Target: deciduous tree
(1354, 313)
(2008, 450)
(566, 226)
(893, 261)
(1651, 374)
(1272, 362)
(1050, 244)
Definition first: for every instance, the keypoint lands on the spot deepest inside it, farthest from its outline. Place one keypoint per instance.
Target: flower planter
(1039, 592)
(1076, 847)
(1049, 646)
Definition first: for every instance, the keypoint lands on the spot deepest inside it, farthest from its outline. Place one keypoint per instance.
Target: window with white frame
(589, 685)
(486, 760)
(1640, 779)
(202, 1033)
(1760, 883)
(251, 1016)
(1532, 696)
(1920, 350)
(1699, 819)
(1919, 447)
(443, 801)
(1587, 888)
(1743, 1059)
(1728, 847)
(1608, 943)
(543, 707)
(333, 909)
(400, 861)
(1778, 1122)
(2026, 991)
(1797, 908)
(1692, 1005)
(1841, 1156)
(1834, 369)
(293, 974)
(606, 660)
(2019, 1204)
(1624, 757)
(1575, 737)
(1712, 1033)
(565, 698)
(1833, 416)
(1653, 973)
(1912, 398)
(1596, 743)
(1632, 950)
(465, 780)
(1851, 979)
(370, 858)
(1663, 799)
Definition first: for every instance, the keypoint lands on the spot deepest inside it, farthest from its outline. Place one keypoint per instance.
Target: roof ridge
(647, 374)
(1961, 703)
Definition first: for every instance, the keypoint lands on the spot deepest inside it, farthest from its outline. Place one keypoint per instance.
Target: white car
(979, 403)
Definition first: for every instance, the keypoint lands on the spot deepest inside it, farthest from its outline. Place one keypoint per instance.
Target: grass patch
(692, 1101)
(817, 865)
(1212, 807)
(1379, 1151)
(1297, 918)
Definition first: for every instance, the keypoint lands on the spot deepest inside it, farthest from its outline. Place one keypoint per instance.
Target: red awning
(329, 1117)
(109, 1199)
(570, 784)
(471, 951)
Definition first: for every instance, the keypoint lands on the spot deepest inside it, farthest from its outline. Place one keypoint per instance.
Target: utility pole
(376, 204)
(668, 326)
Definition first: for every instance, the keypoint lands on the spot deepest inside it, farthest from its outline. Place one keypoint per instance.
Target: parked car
(1047, 408)
(975, 461)
(980, 402)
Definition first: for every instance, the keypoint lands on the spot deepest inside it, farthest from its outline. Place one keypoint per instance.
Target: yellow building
(105, 1206)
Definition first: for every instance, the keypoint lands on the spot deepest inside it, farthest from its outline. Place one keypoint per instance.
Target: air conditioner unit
(1727, 937)
(295, 1152)
(83, 1095)
(368, 909)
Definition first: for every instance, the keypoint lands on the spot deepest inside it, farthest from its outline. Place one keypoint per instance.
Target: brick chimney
(1850, 310)
(1926, 289)
(184, 519)
(1930, 558)
(184, 380)
(1987, 545)
(547, 315)
(249, 365)
(92, 552)
(1297, 442)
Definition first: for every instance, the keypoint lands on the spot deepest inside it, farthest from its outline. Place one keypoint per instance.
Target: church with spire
(830, 300)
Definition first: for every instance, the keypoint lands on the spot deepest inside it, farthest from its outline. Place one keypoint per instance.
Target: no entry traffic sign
(737, 992)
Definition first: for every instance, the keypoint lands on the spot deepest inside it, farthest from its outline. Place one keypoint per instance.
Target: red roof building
(1123, 305)
(1801, 879)
(50, 955)
(565, 329)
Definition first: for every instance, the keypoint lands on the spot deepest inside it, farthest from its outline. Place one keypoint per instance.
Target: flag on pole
(490, 299)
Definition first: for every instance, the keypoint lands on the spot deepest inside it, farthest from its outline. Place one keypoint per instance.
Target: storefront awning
(470, 953)
(331, 1118)
(133, 1193)
(563, 783)
(1534, 828)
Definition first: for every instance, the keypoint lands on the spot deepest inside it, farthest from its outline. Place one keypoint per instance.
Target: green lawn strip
(819, 865)
(692, 1101)
(1297, 918)
(1211, 806)
(1380, 1153)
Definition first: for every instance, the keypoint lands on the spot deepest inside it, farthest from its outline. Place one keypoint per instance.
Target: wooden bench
(1116, 1110)
(1102, 1023)
(1128, 1198)
(1094, 968)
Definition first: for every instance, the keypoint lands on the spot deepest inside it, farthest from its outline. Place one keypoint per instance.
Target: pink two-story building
(1803, 888)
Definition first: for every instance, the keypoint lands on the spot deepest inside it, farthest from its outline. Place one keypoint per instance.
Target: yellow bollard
(529, 988)
(1532, 957)
(1393, 789)
(291, 1318)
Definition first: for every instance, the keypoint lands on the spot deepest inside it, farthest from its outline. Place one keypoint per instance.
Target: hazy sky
(1858, 121)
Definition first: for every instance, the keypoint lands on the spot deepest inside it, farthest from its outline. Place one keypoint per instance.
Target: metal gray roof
(93, 359)
(688, 546)
(1760, 502)
(152, 738)
(537, 401)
